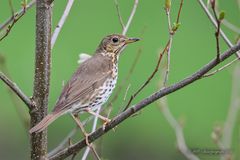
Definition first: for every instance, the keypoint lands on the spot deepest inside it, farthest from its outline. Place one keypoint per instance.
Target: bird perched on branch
(92, 84)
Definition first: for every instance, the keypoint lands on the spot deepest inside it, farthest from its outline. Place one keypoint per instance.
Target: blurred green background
(200, 106)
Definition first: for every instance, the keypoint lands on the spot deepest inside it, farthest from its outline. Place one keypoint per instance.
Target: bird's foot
(86, 139)
(106, 121)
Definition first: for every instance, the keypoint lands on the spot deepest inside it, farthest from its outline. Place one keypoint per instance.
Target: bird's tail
(45, 122)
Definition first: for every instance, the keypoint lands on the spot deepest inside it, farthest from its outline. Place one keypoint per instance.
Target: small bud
(221, 15)
(175, 26)
(24, 3)
(167, 4)
(212, 2)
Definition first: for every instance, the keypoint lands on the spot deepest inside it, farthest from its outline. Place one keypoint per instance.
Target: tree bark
(42, 77)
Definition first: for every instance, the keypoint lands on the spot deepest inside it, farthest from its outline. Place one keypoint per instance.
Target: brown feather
(90, 75)
(45, 122)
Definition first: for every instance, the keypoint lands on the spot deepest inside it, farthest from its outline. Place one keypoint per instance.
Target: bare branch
(20, 12)
(179, 12)
(162, 104)
(42, 77)
(231, 26)
(221, 68)
(223, 35)
(232, 113)
(130, 17)
(169, 46)
(145, 102)
(85, 154)
(61, 22)
(119, 14)
(63, 143)
(172, 30)
(226, 23)
(17, 91)
(149, 78)
(176, 126)
(11, 7)
(13, 20)
(218, 27)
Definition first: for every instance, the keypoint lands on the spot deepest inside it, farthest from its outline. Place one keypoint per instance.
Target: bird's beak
(131, 40)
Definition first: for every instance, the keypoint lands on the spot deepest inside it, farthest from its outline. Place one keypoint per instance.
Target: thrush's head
(114, 44)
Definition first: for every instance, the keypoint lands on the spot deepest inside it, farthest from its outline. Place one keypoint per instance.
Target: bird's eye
(115, 39)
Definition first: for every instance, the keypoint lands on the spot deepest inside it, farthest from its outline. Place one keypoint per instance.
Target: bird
(92, 83)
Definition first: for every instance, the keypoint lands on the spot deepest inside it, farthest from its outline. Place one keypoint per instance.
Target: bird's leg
(105, 119)
(80, 125)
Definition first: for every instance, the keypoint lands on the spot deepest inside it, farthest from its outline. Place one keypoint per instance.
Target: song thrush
(92, 83)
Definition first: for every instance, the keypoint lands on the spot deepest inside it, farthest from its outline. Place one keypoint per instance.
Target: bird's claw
(106, 122)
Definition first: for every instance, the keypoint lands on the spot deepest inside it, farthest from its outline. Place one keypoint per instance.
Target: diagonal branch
(119, 14)
(145, 102)
(13, 20)
(17, 90)
(20, 12)
(221, 68)
(181, 144)
(61, 22)
(150, 77)
(231, 120)
(130, 17)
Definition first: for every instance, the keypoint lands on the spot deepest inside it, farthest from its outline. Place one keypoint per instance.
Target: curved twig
(17, 90)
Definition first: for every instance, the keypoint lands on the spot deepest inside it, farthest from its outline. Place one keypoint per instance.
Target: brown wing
(90, 75)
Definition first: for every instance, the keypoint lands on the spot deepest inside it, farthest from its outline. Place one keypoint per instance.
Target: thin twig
(125, 29)
(85, 154)
(23, 115)
(211, 18)
(61, 22)
(170, 45)
(168, 61)
(11, 7)
(182, 146)
(233, 112)
(218, 28)
(226, 23)
(125, 95)
(20, 12)
(119, 15)
(145, 102)
(15, 19)
(149, 78)
(172, 31)
(130, 17)
(179, 12)
(221, 68)
(17, 90)
(231, 26)
(63, 143)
